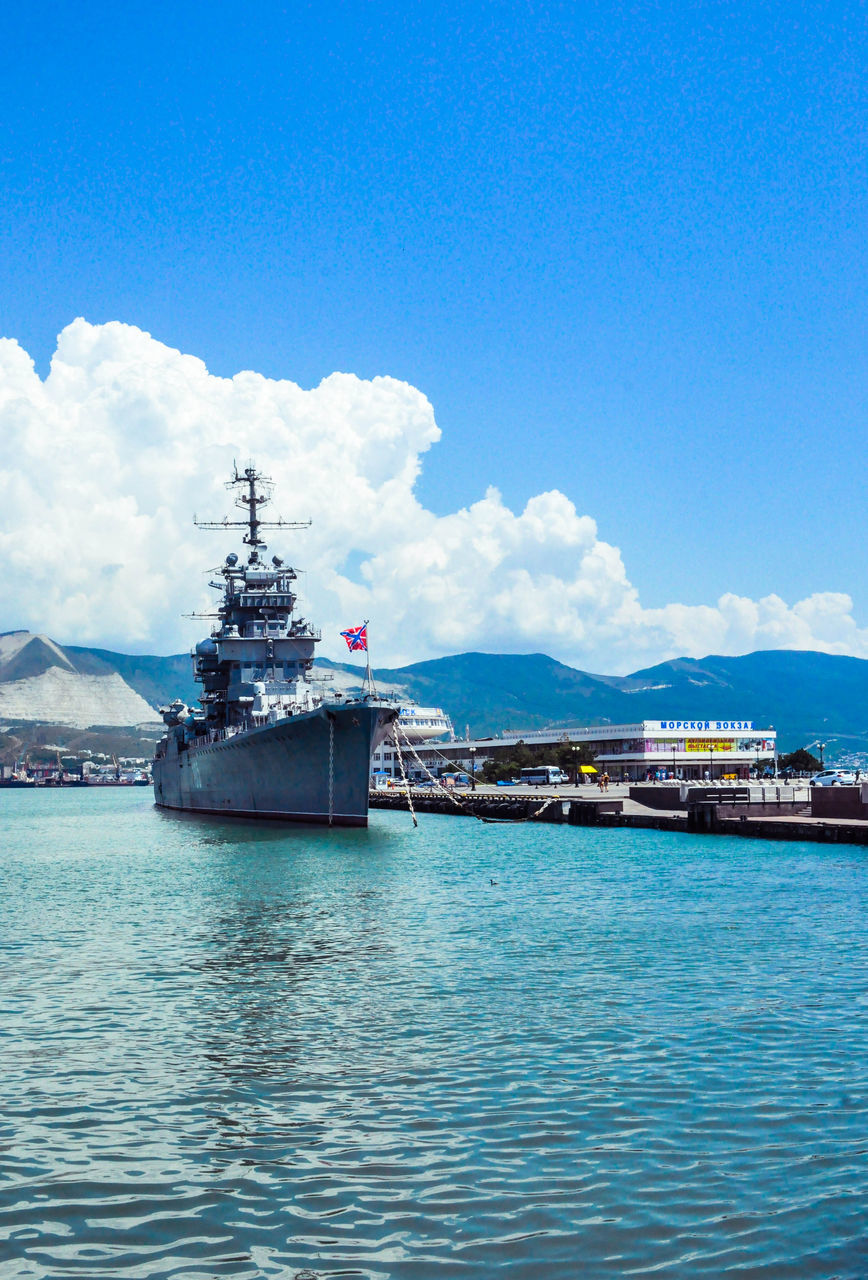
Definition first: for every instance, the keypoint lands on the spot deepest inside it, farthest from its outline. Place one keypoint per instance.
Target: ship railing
(215, 735)
(274, 714)
(257, 720)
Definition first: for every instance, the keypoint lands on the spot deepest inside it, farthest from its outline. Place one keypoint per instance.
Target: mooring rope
(399, 732)
(406, 782)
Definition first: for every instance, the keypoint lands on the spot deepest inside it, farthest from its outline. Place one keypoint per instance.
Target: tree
(800, 761)
(496, 771)
(567, 756)
(522, 756)
(572, 755)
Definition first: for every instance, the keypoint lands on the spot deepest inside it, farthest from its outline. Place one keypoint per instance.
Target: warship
(267, 740)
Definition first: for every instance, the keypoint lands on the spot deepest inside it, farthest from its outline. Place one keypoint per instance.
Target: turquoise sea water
(241, 1051)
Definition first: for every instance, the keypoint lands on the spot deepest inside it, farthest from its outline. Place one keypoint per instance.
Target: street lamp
(711, 759)
(575, 751)
(473, 768)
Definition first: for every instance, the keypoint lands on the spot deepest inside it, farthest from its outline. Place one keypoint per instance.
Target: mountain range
(806, 696)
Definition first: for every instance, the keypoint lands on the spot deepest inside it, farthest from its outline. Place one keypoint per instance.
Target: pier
(760, 812)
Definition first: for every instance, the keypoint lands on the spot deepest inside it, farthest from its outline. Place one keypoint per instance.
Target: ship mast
(251, 501)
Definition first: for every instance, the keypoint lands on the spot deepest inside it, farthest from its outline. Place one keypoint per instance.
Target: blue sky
(621, 249)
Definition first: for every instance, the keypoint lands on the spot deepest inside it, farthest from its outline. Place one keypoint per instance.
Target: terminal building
(647, 750)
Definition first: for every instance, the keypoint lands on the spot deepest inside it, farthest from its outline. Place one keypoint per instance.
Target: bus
(542, 775)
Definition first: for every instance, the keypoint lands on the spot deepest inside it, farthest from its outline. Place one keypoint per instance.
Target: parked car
(834, 778)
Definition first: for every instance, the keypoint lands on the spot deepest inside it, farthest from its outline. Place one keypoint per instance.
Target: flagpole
(369, 675)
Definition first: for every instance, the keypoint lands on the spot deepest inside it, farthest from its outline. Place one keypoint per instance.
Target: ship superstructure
(266, 742)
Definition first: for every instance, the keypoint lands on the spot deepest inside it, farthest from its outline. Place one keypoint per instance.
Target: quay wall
(838, 802)
(770, 798)
(511, 809)
(659, 797)
(784, 821)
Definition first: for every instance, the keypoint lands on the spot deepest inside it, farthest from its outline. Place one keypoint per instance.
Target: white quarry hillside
(14, 643)
(41, 681)
(66, 697)
(38, 681)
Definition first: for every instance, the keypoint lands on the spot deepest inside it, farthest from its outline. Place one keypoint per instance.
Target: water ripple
(258, 1053)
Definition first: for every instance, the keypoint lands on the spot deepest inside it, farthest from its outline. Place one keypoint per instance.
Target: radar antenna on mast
(251, 501)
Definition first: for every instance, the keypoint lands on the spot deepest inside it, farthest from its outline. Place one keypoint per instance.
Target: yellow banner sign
(704, 746)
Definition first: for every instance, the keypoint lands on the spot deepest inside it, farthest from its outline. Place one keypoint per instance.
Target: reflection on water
(265, 964)
(251, 1051)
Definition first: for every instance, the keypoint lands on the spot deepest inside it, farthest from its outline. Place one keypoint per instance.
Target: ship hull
(312, 768)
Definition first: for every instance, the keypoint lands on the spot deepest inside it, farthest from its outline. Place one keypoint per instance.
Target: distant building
(694, 749)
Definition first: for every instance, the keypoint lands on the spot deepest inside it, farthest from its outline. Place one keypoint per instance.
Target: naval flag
(357, 638)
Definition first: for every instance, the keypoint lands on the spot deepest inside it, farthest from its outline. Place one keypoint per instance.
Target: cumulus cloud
(107, 459)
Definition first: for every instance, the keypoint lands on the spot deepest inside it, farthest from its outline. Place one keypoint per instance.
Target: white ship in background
(417, 726)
